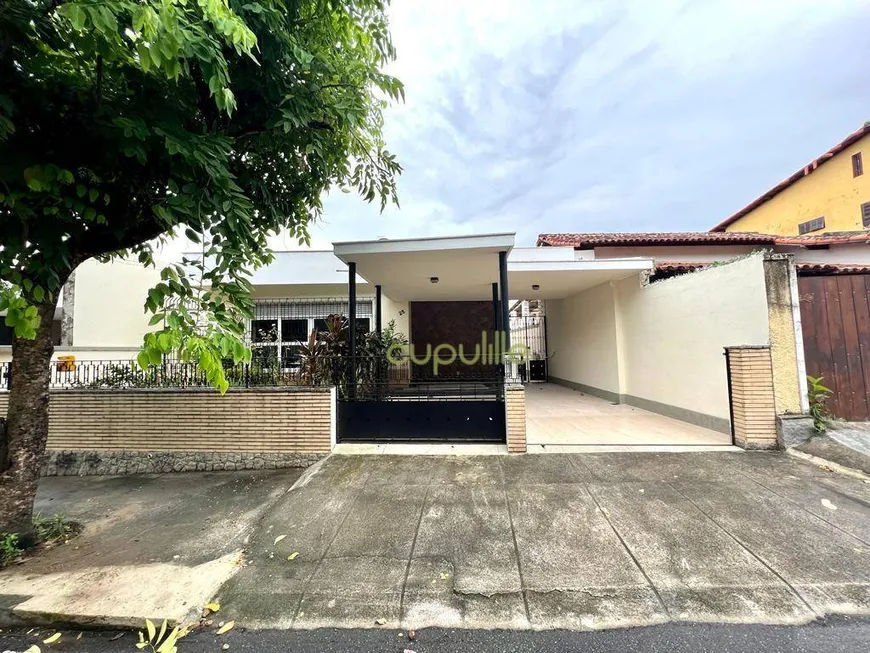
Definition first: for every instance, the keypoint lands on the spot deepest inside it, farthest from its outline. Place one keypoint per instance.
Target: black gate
(530, 332)
(392, 407)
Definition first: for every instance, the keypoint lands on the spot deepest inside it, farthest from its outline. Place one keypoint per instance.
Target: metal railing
(362, 378)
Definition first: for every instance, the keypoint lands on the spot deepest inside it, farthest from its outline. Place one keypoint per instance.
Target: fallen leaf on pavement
(380, 622)
(827, 504)
(114, 638)
(443, 576)
(33, 649)
(279, 538)
(225, 646)
(52, 639)
(411, 634)
(227, 627)
(80, 636)
(293, 555)
(214, 606)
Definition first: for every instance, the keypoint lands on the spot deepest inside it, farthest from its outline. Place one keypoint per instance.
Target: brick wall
(246, 428)
(515, 418)
(752, 397)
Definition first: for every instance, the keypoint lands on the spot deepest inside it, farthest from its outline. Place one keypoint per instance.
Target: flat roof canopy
(557, 280)
(467, 266)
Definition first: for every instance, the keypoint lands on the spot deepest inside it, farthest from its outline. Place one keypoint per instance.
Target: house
(829, 194)
(601, 347)
(100, 315)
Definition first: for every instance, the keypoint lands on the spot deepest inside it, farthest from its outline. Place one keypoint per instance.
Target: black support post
(496, 313)
(505, 297)
(351, 300)
(378, 316)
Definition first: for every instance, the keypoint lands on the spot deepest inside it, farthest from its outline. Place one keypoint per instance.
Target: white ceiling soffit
(429, 269)
(559, 279)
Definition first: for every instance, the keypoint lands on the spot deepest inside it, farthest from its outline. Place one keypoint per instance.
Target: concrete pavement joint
(748, 550)
(326, 550)
(411, 554)
(516, 549)
(820, 516)
(629, 551)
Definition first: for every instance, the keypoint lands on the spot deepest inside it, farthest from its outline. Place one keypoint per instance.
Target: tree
(126, 122)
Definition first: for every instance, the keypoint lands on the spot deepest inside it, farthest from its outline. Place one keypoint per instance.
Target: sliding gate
(391, 406)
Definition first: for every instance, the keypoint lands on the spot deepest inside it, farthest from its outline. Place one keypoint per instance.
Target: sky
(542, 116)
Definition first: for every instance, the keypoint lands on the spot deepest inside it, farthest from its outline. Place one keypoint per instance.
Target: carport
(456, 292)
(562, 419)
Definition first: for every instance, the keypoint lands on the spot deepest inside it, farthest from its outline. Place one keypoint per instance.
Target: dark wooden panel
(854, 379)
(837, 334)
(835, 319)
(455, 324)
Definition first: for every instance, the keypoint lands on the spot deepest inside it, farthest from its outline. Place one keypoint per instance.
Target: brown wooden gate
(835, 317)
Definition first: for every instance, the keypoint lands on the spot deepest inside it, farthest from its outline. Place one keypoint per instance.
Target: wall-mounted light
(433, 279)
(536, 286)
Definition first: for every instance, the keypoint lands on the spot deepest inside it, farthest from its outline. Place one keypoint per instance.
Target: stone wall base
(100, 463)
(793, 430)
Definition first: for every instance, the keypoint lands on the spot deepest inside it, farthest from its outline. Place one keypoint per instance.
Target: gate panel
(835, 319)
(421, 421)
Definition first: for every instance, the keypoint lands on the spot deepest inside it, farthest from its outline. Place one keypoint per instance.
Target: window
(264, 330)
(282, 327)
(865, 217)
(5, 332)
(295, 330)
(811, 225)
(857, 165)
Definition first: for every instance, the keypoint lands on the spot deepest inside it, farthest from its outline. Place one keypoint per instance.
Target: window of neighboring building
(857, 165)
(865, 214)
(811, 225)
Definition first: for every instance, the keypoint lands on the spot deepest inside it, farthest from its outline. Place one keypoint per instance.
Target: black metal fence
(362, 378)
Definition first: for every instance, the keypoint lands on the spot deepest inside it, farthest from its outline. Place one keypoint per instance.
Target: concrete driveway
(558, 541)
(579, 541)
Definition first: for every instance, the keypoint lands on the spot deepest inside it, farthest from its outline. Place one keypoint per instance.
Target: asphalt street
(839, 634)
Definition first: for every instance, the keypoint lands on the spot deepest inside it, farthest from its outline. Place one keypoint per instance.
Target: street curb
(837, 467)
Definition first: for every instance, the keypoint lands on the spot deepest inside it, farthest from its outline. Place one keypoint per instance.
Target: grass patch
(49, 531)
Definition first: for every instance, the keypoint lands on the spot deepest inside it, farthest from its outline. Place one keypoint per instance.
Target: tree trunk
(26, 427)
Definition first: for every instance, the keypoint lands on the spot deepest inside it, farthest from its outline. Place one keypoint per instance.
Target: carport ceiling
(465, 266)
(558, 280)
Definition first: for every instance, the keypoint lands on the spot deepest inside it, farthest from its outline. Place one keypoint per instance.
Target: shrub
(48, 531)
(9, 550)
(818, 395)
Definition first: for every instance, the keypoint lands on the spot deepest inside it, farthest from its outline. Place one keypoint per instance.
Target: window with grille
(865, 214)
(811, 225)
(281, 327)
(857, 165)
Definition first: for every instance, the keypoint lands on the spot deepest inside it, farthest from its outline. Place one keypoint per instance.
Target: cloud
(566, 116)
(546, 116)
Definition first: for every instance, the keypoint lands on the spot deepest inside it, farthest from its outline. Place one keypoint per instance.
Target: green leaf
(74, 14)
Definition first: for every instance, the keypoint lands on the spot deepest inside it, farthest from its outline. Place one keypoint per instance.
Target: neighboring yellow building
(831, 193)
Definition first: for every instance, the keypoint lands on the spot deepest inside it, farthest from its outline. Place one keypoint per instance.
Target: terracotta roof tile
(615, 239)
(841, 268)
(589, 240)
(830, 238)
(797, 176)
